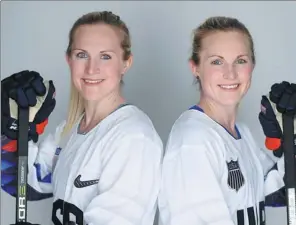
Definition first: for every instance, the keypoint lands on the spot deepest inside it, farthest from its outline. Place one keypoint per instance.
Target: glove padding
(281, 99)
(26, 89)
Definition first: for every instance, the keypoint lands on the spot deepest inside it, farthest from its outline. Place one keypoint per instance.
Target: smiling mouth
(88, 81)
(229, 86)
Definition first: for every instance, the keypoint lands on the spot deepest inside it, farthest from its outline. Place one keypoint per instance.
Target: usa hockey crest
(235, 178)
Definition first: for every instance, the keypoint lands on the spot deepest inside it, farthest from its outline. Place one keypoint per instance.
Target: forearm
(37, 190)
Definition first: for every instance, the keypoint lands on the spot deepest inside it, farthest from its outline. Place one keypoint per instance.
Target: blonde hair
(216, 24)
(76, 104)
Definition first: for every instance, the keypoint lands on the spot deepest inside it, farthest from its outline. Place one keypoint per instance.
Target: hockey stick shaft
(22, 146)
(290, 167)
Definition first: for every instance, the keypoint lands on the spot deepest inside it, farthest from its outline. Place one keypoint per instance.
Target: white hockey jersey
(212, 178)
(109, 176)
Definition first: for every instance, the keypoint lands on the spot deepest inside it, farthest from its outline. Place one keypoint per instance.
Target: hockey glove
(281, 99)
(26, 89)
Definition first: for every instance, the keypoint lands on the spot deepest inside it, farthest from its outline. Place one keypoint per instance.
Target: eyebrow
(103, 51)
(223, 57)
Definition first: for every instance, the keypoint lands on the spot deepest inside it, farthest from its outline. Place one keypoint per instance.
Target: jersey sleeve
(274, 186)
(190, 192)
(40, 158)
(129, 183)
(274, 171)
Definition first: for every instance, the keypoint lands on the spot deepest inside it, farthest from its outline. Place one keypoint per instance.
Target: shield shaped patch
(235, 177)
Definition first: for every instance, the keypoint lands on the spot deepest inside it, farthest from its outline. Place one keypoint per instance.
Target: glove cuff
(9, 128)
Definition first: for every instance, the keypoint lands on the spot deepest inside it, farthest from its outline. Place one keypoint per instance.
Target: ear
(127, 64)
(194, 68)
(68, 59)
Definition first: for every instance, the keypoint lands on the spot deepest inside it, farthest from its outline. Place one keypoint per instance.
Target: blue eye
(241, 61)
(81, 55)
(216, 62)
(105, 57)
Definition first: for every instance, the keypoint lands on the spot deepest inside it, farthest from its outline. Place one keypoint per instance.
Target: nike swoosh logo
(81, 184)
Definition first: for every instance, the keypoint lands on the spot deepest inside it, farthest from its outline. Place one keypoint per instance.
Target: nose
(230, 73)
(93, 66)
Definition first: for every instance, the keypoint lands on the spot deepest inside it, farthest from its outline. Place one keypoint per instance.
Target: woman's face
(96, 61)
(225, 68)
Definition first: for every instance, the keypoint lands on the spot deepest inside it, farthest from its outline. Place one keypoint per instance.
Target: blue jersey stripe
(46, 179)
(9, 175)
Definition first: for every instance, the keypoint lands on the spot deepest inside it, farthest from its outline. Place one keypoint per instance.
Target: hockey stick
(290, 167)
(22, 146)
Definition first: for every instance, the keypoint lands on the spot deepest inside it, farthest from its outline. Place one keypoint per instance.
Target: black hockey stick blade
(22, 146)
(290, 167)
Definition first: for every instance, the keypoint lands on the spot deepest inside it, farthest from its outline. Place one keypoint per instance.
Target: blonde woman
(213, 172)
(102, 165)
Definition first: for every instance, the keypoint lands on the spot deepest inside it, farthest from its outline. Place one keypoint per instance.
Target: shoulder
(134, 121)
(133, 115)
(130, 134)
(194, 137)
(130, 124)
(196, 133)
(56, 135)
(60, 127)
(193, 128)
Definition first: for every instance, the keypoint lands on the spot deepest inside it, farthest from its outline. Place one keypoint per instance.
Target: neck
(224, 115)
(97, 111)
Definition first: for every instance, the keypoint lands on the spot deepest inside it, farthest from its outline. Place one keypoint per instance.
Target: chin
(92, 98)
(230, 103)
(91, 95)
